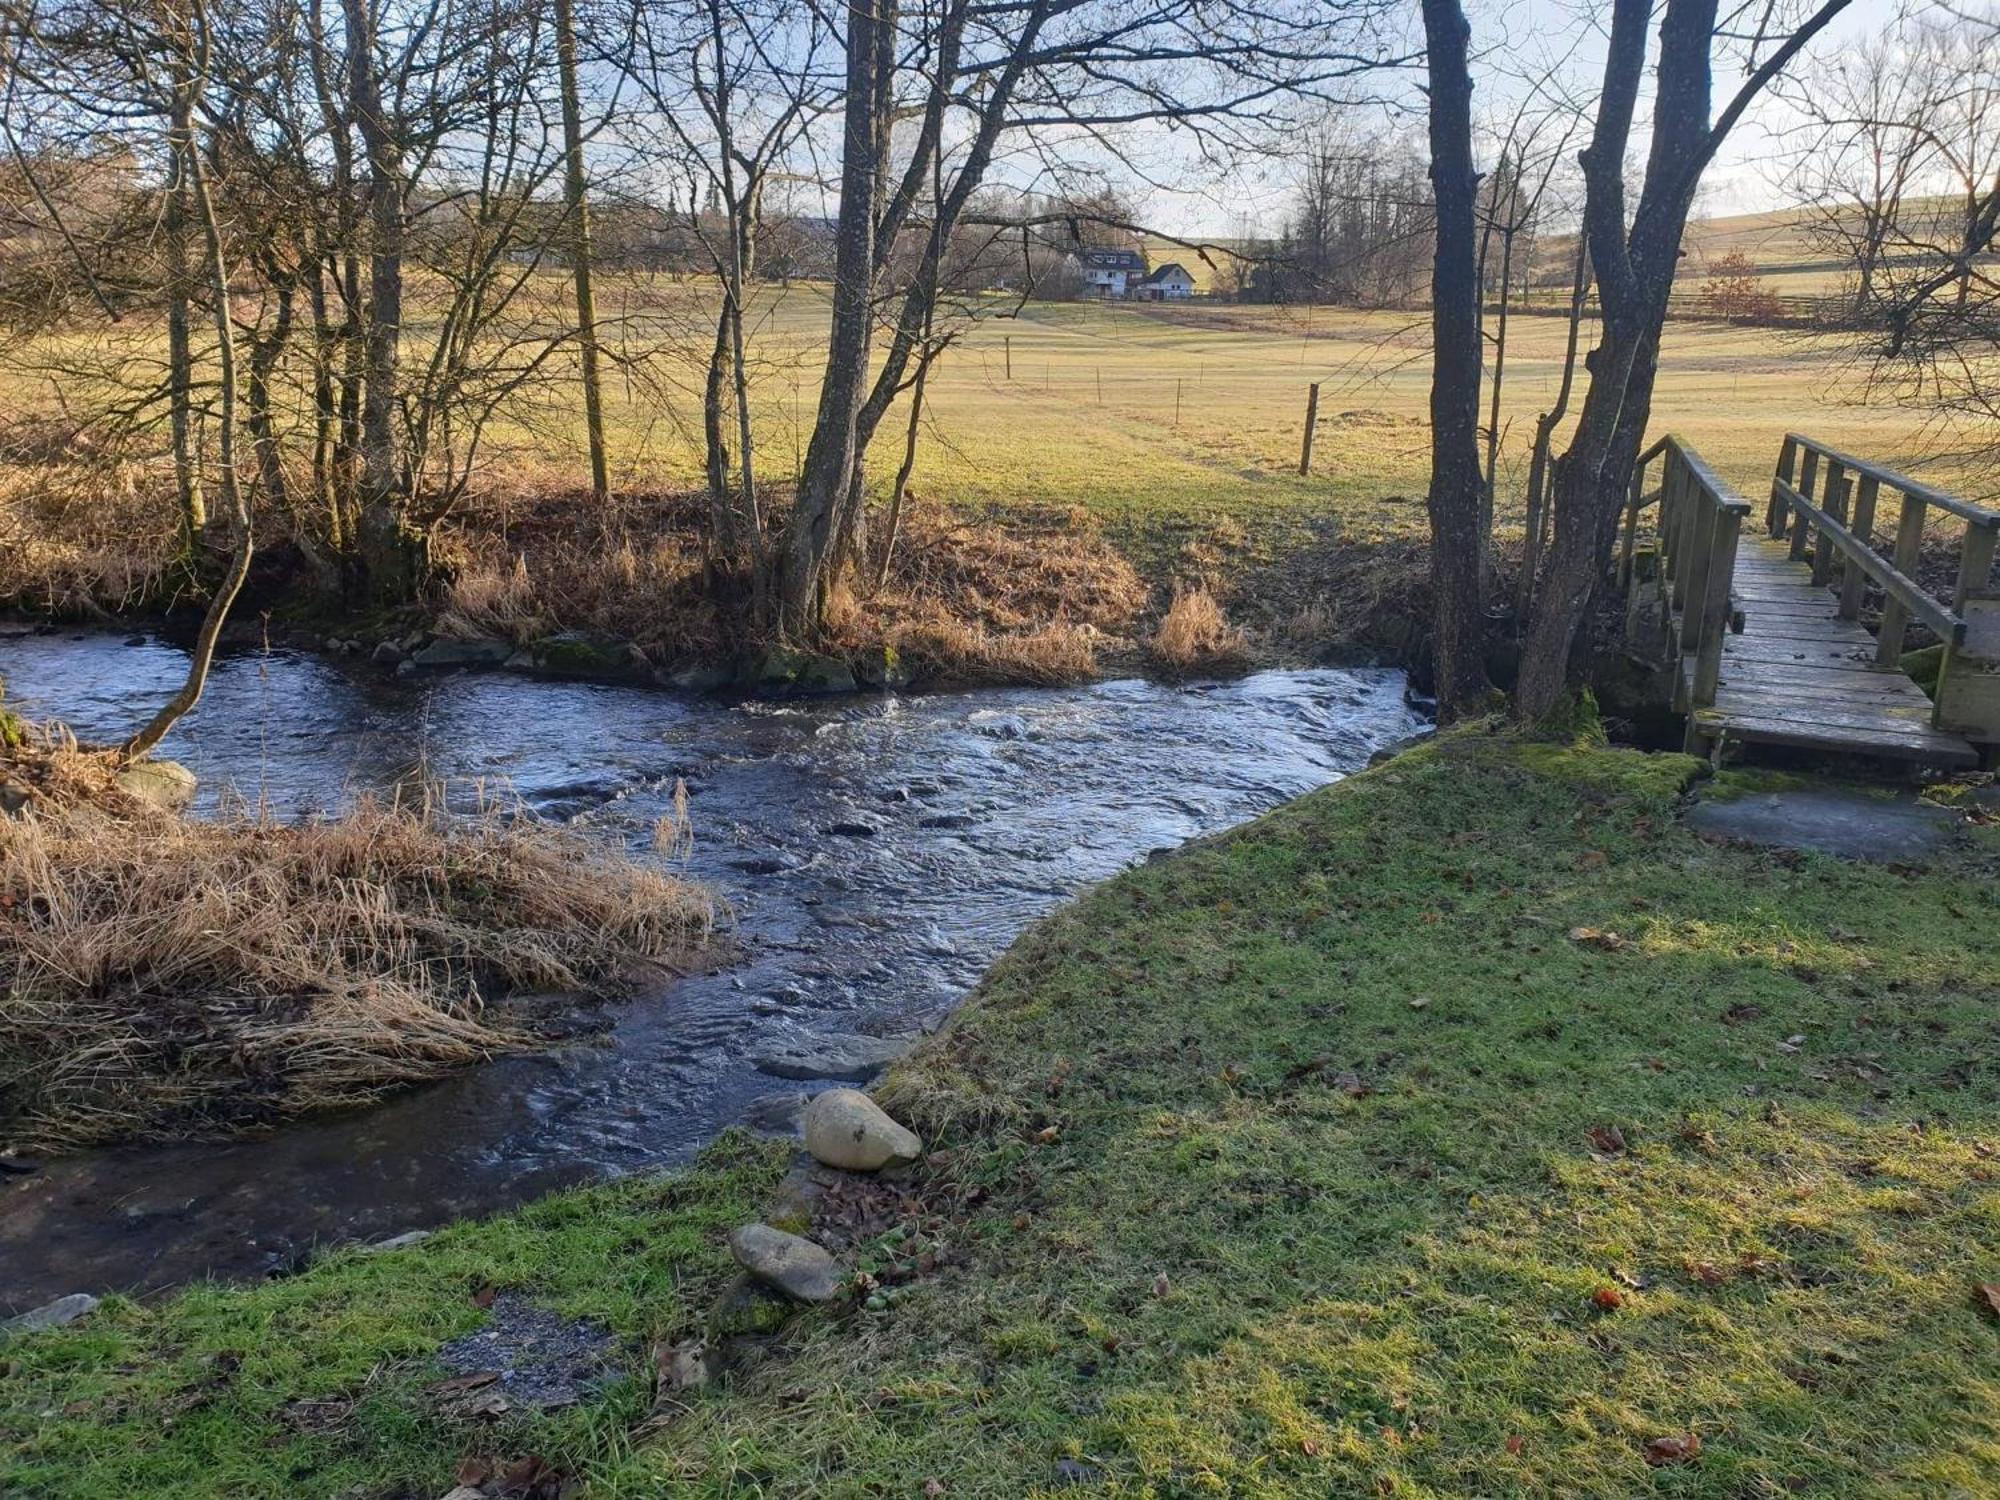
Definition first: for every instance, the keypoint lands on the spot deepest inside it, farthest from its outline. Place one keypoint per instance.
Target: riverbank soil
(1472, 1126)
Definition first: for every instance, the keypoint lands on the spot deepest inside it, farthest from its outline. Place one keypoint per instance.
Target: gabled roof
(1114, 260)
(1172, 268)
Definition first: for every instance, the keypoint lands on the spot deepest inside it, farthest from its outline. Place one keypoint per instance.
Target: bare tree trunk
(1458, 607)
(829, 463)
(1545, 426)
(577, 205)
(180, 357)
(908, 465)
(388, 551)
(190, 691)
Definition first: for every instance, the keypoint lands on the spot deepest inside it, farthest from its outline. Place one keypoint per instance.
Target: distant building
(1111, 273)
(1169, 283)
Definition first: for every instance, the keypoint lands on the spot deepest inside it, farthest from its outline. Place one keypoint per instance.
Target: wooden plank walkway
(1799, 675)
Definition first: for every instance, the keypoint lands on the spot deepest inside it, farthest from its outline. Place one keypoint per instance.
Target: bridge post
(1853, 580)
(1835, 505)
(1909, 549)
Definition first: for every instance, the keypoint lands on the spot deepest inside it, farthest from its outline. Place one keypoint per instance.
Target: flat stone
(386, 654)
(845, 1128)
(1853, 822)
(843, 1055)
(442, 655)
(167, 784)
(797, 1267)
(775, 1114)
(401, 1241)
(50, 1314)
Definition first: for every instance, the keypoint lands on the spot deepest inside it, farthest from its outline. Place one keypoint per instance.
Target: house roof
(1170, 269)
(1114, 260)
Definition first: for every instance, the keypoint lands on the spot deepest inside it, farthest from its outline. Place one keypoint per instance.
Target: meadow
(1169, 432)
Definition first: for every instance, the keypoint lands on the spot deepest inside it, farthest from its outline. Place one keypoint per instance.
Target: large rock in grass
(845, 1128)
(797, 1267)
(166, 784)
(50, 1314)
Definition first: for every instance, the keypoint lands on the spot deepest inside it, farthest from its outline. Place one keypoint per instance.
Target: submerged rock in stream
(846, 1056)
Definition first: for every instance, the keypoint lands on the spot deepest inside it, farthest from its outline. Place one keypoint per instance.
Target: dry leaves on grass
(1681, 1448)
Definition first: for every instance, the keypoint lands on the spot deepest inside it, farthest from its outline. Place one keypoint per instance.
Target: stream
(877, 852)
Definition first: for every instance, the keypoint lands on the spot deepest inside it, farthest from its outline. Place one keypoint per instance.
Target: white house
(1169, 283)
(1111, 273)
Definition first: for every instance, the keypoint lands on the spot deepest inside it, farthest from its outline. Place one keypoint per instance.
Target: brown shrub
(1194, 633)
(162, 978)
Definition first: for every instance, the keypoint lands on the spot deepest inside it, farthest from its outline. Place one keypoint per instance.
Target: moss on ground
(1310, 1162)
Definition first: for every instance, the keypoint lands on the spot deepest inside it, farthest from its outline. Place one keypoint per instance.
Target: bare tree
(1634, 261)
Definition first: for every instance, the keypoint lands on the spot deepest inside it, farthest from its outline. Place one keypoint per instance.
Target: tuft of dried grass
(952, 650)
(162, 978)
(1195, 633)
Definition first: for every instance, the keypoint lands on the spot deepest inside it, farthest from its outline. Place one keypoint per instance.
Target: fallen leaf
(1161, 1286)
(1048, 1135)
(1607, 1138)
(1312, 1447)
(484, 1296)
(1597, 937)
(1684, 1449)
(933, 1488)
(1593, 859)
(1608, 1297)
(1707, 1272)
(1514, 1442)
(1991, 1293)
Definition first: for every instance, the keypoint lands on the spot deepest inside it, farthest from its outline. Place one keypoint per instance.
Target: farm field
(1172, 427)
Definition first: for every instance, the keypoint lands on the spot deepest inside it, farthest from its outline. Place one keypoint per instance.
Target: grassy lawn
(1466, 1128)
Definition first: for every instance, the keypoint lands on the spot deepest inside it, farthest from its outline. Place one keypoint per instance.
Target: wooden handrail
(1978, 515)
(1814, 493)
(1904, 589)
(1700, 520)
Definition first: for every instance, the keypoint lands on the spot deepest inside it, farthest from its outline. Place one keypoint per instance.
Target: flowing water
(878, 853)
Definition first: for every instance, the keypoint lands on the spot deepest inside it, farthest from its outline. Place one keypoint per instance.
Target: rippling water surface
(986, 809)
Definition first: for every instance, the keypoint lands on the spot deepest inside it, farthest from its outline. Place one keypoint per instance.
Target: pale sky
(1521, 38)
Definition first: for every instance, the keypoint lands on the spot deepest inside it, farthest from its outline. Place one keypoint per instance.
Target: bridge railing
(1827, 503)
(1699, 522)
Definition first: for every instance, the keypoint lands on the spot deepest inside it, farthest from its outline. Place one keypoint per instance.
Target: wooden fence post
(1008, 340)
(1312, 425)
(1896, 614)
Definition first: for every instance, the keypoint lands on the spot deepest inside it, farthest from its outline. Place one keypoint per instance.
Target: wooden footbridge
(1769, 634)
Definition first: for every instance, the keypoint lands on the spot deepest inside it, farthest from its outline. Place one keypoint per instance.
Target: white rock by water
(51, 1314)
(796, 1267)
(845, 1128)
(167, 784)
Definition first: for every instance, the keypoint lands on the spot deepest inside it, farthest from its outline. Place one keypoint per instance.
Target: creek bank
(1196, 1160)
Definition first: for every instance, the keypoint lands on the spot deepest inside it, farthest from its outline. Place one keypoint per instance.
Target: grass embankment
(161, 977)
(1466, 1128)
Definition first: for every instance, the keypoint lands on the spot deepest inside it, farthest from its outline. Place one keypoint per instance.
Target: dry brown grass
(1195, 634)
(85, 528)
(162, 978)
(965, 599)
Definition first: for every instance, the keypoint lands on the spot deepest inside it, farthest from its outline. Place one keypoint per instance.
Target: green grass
(1270, 1172)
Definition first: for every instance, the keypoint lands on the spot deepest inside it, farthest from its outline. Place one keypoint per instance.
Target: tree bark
(1458, 608)
(808, 551)
(388, 549)
(577, 205)
(180, 352)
